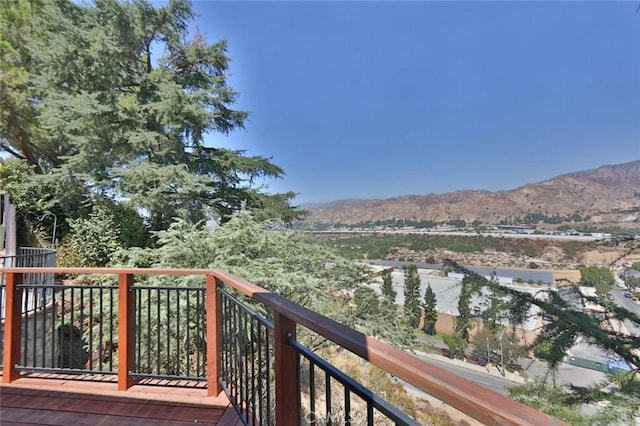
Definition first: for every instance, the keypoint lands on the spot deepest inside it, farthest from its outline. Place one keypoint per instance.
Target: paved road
(480, 377)
(628, 304)
(567, 374)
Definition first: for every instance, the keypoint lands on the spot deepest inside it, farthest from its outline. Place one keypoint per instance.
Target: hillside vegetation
(478, 250)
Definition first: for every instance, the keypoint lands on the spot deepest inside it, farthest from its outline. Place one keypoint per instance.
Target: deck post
(126, 331)
(286, 372)
(214, 335)
(12, 327)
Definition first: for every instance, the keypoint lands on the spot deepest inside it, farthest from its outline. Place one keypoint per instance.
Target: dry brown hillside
(608, 194)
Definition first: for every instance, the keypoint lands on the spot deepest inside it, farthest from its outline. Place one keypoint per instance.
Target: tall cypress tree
(388, 292)
(463, 321)
(411, 295)
(430, 311)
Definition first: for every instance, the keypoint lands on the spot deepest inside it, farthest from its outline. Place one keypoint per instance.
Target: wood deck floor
(38, 401)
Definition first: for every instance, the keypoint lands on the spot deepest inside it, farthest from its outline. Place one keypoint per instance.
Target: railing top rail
(477, 401)
(111, 271)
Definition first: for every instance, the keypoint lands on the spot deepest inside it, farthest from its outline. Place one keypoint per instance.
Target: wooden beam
(126, 331)
(214, 336)
(286, 372)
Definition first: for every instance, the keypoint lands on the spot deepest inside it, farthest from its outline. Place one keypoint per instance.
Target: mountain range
(608, 194)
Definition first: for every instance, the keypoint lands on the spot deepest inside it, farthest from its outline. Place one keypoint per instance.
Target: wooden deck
(45, 401)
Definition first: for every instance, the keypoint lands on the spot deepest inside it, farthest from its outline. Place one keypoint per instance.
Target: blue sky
(381, 99)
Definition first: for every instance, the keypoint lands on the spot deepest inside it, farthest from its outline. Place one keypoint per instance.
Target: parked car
(628, 295)
(600, 316)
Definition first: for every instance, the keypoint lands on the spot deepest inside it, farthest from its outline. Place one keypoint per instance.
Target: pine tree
(278, 260)
(115, 98)
(388, 292)
(411, 295)
(558, 336)
(463, 321)
(430, 311)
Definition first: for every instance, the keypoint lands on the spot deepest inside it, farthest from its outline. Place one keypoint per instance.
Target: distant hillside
(607, 194)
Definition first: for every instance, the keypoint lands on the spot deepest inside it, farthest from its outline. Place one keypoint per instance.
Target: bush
(456, 346)
(92, 241)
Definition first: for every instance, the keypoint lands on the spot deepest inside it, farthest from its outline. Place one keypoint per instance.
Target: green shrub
(92, 241)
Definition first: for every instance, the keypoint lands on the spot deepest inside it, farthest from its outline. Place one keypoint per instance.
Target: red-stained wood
(12, 327)
(214, 336)
(286, 372)
(476, 401)
(126, 331)
(111, 271)
(70, 402)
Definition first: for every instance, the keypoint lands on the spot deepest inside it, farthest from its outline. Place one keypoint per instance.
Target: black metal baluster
(168, 366)
(347, 406)
(81, 327)
(188, 333)
(312, 388)
(91, 342)
(43, 351)
(261, 397)
(34, 320)
(71, 322)
(328, 397)
(25, 307)
(252, 341)
(178, 357)
(111, 327)
(104, 346)
(268, 369)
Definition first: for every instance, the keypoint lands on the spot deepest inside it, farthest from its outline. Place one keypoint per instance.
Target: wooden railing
(474, 400)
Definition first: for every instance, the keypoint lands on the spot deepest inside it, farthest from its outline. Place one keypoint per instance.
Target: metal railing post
(12, 327)
(286, 372)
(126, 331)
(214, 335)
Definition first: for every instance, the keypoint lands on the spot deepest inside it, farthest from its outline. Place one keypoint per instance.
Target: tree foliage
(92, 241)
(559, 335)
(430, 311)
(456, 345)
(464, 318)
(571, 322)
(388, 292)
(622, 404)
(280, 261)
(411, 295)
(597, 276)
(499, 347)
(116, 99)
